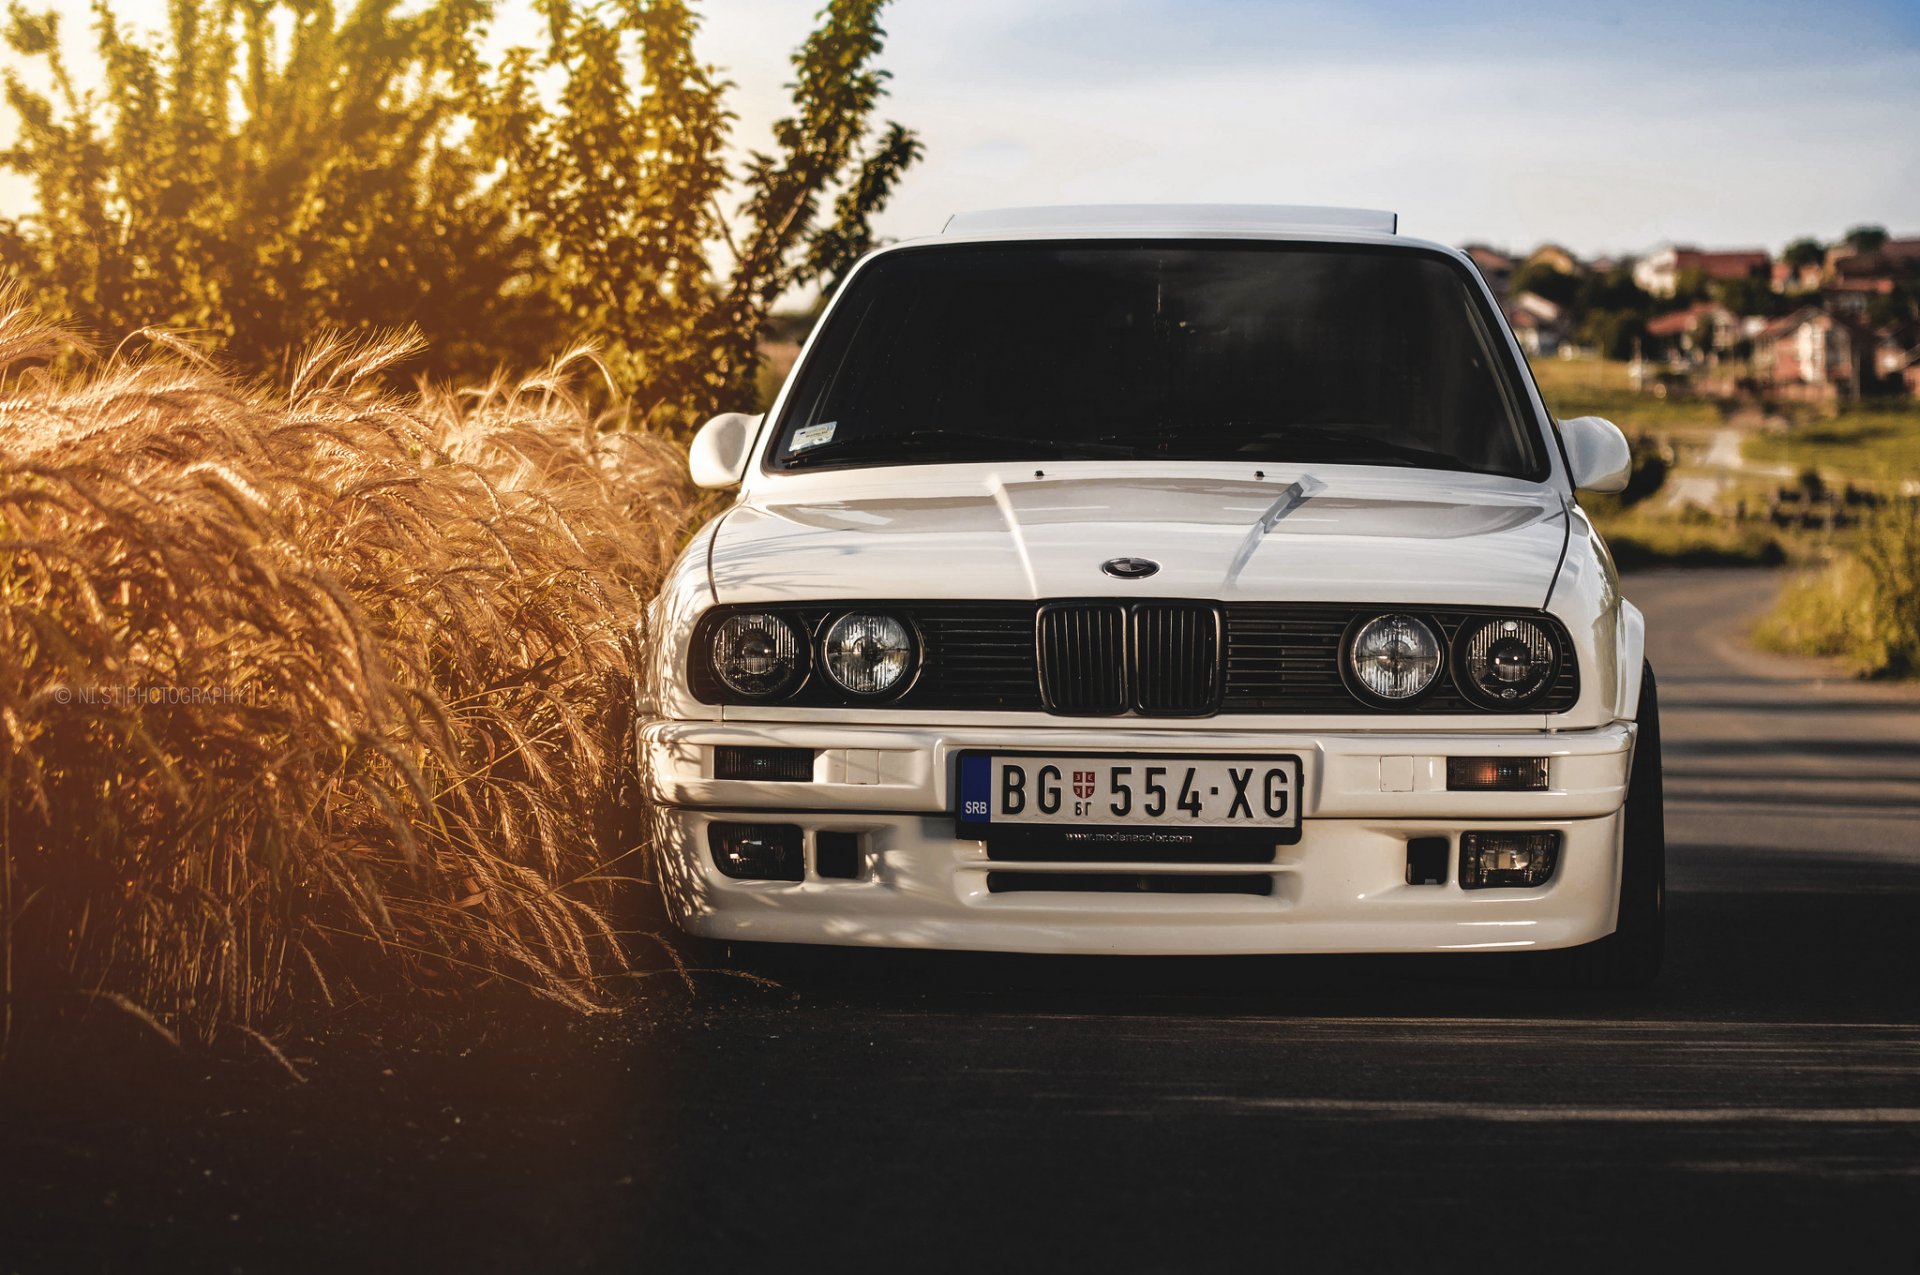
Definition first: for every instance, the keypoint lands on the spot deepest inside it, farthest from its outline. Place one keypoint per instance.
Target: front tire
(1630, 956)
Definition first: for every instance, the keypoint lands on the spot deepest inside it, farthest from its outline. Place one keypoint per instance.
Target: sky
(1610, 126)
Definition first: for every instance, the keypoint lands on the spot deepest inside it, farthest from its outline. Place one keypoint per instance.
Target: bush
(1652, 462)
(1690, 540)
(1863, 607)
(316, 694)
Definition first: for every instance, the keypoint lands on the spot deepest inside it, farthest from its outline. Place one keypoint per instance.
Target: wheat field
(313, 691)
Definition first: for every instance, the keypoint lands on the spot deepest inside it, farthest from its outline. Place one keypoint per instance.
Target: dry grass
(1862, 606)
(316, 693)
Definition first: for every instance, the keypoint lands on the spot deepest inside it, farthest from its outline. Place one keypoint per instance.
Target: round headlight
(1506, 661)
(868, 654)
(756, 654)
(1394, 657)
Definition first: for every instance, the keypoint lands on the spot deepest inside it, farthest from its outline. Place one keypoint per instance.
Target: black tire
(1630, 956)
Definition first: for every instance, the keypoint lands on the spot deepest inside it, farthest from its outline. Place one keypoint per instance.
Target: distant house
(1895, 259)
(1815, 354)
(1803, 278)
(1850, 296)
(1555, 257)
(1495, 267)
(1910, 371)
(1538, 324)
(1693, 334)
(1660, 272)
(1892, 345)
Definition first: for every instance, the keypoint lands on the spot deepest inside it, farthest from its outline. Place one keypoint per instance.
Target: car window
(1159, 350)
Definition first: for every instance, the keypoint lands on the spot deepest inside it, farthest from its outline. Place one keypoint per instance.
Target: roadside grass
(1639, 540)
(1599, 387)
(316, 693)
(1879, 442)
(1862, 606)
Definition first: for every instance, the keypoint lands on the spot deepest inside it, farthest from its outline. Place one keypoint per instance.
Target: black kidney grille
(1176, 660)
(1083, 659)
(1167, 659)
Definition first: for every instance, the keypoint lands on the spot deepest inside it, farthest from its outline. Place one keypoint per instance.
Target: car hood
(1335, 534)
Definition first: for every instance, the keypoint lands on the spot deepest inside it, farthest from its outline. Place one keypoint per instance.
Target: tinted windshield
(1158, 350)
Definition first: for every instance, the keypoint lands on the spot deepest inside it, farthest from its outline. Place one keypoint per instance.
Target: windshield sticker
(811, 436)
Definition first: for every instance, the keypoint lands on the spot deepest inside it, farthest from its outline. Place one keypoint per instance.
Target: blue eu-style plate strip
(976, 788)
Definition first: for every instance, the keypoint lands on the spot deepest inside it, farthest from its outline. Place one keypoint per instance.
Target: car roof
(1288, 220)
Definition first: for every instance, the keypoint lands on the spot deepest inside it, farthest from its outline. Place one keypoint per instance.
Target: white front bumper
(1341, 888)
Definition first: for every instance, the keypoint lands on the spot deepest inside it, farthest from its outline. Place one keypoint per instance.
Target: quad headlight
(1394, 657)
(867, 654)
(1505, 662)
(757, 654)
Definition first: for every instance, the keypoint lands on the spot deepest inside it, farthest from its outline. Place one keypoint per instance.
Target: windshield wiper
(944, 444)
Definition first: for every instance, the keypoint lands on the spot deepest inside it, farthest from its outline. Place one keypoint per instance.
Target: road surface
(1760, 1106)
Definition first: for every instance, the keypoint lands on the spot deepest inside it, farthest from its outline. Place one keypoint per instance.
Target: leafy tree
(624, 181)
(272, 168)
(1612, 332)
(1748, 295)
(1866, 238)
(1689, 285)
(1802, 253)
(1614, 290)
(1900, 306)
(266, 171)
(1543, 280)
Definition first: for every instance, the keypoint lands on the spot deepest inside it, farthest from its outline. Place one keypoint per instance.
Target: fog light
(1427, 860)
(1497, 774)
(836, 855)
(756, 851)
(792, 765)
(1491, 860)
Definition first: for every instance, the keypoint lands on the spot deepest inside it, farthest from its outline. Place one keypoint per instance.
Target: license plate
(1188, 793)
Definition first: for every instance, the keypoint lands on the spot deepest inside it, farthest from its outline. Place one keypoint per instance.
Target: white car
(1160, 580)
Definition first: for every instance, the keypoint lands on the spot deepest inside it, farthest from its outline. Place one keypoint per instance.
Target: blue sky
(1609, 126)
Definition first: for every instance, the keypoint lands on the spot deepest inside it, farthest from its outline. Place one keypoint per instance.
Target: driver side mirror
(1597, 453)
(718, 454)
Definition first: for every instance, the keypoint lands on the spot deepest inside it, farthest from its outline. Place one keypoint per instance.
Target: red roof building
(1660, 273)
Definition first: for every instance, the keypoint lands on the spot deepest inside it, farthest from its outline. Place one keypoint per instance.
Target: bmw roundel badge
(1130, 568)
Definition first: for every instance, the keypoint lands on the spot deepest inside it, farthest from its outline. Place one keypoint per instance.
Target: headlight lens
(1394, 657)
(1507, 661)
(756, 654)
(868, 654)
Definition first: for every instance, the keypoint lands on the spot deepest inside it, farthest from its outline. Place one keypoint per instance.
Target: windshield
(1158, 350)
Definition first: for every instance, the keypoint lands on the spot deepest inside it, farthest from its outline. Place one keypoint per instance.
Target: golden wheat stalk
(318, 690)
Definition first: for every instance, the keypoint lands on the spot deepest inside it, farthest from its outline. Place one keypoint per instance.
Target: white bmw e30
(1160, 580)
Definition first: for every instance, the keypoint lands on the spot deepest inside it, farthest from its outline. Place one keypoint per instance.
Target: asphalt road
(1759, 1106)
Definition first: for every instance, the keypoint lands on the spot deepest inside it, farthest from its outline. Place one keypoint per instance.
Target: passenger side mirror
(1597, 453)
(718, 455)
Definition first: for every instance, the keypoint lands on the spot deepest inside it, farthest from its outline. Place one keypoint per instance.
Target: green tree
(1899, 306)
(1866, 238)
(1802, 253)
(1748, 295)
(1612, 332)
(264, 171)
(1614, 290)
(1543, 280)
(1689, 285)
(272, 168)
(624, 182)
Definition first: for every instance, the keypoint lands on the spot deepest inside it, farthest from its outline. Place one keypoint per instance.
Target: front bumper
(1341, 888)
